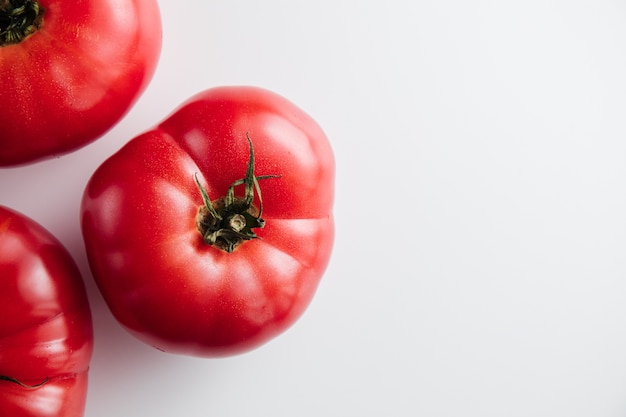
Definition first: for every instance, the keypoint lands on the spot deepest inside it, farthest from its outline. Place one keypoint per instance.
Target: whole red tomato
(71, 69)
(185, 252)
(45, 330)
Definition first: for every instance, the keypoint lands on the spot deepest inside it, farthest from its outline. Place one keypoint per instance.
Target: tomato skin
(159, 278)
(46, 332)
(71, 81)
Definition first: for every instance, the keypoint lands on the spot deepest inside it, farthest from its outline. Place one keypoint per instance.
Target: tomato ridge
(22, 384)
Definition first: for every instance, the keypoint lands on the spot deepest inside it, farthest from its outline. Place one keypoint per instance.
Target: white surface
(479, 265)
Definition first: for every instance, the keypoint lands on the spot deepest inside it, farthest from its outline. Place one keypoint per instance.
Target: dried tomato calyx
(18, 20)
(21, 384)
(229, 221)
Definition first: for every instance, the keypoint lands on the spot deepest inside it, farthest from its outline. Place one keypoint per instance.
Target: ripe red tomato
(71, 69)
(45, 331)
(184, 280)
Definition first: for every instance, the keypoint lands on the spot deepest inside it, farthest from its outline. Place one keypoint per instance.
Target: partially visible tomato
(71, 69)
(186, 280)
(45, 327)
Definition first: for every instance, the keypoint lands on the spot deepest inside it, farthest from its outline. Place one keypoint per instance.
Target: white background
(479, 264)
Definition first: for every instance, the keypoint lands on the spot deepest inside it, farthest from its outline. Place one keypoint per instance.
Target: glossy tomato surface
(45, 330)
(158, 275)
(74, 77)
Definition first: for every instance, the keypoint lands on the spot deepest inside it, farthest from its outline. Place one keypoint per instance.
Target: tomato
(45, 330)
(180, 278)
(71, 69)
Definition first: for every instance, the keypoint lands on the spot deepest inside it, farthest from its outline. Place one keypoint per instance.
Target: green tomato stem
(18, 20)
(229, 221)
